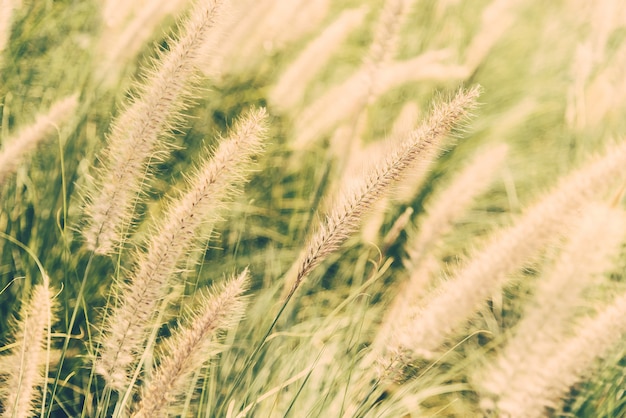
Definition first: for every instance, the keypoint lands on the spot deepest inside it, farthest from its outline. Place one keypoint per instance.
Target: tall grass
(312, 208)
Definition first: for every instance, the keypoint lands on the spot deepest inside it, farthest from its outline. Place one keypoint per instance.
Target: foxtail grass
(27, 364)
(445, 208)
(291, 85)
(189, 349)
(393, 304)
(547, 387)
(15, 150)
(547, 319)
(349, 100)
(137, 139)
(215, 181)
(348, 211)
(458, 299)
(454, 200)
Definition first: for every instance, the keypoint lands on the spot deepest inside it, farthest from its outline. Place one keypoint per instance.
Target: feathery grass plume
(384, 72)
(301, 17)
(552, 377)
(135, 140)
(544, 325)
(410, 293)
(355, 159)
(6, 361)
(246, 14)
(291, 85)
(496, 18)
(215, 182)
(346, 213)
(441, 212)
(188, 350)
(405, 122)
(27, 361)
(597, 87)
(350, 98)
(507, 121)
(6, 15)
(456, 300)
(262, 27)
(596, 91)
(359, 156)
(590, 58)
(454, 200)
(345, 100)
(431, 65)
(122, 39)
(15, 149)
(386, 37)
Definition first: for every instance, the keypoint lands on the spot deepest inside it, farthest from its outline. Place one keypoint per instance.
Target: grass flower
(291, 85)
(16, 148)
(496, 19)
(188, 350)
(416, 307)
(27, 361)
(454, 200)
(136, 140)
(349, 99)
(552, 377)
(348, 210)
(458, 299)
(259, 28)
(384, 46)
(545, 322)
(441, 212)
(215, 181)
(123, 38)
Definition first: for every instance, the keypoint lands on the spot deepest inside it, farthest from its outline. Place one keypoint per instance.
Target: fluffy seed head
(27, 361)
(213, 184)
(16, 148)
(191, 346)
(136, 140)
(458, 299)
(353, 203)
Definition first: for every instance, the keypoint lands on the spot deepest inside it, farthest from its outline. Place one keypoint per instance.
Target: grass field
(287, 208)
